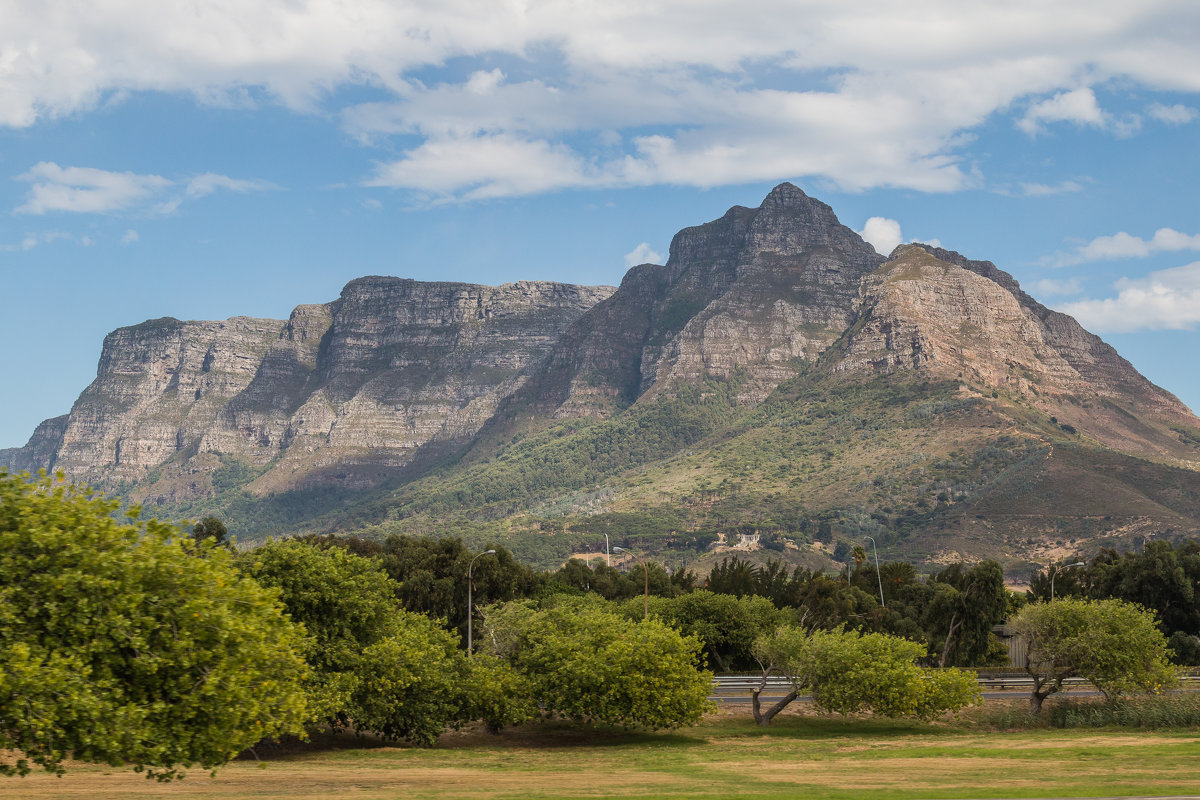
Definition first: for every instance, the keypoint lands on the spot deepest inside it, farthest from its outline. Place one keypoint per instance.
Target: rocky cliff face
(757, 291)
(935, 312)
(394, 372)
(340, 392)
(158, 388)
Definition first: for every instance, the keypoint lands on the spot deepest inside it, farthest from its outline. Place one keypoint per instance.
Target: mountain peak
(786, 194)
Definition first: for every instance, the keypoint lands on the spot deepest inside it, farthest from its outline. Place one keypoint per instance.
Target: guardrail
(997, 682)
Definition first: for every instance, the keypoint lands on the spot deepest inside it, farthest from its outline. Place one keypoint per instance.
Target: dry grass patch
(726, 757)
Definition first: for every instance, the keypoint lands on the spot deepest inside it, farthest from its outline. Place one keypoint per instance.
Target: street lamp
(878, 574)
(469, 614)
(1055, 571)
(646, 570)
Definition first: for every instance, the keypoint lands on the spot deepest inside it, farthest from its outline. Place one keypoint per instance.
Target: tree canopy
(1113, 644)
(849, 672)
(119, 645)
(376, 667)
(587, 664)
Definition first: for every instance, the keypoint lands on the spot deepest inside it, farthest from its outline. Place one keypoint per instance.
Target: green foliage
(1185, 649)
(375, 666)
(211, 528)
(576, 454)
(233, 474)
(850, 672)
(726, 625)
(430, 576)
(1111, 643)
(613, 584)
(1152, 712)
(589, 665)
(118, 644)
(965, 604)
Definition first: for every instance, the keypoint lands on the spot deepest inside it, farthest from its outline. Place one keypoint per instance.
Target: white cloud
(1124, 245)
(883, 234)
(875, 93)
(86, 190)
(1177, 114)
(1078, 106)
(1045, 190)
(129, 237)
(1168, 299)
(32, 240)
(483, 167)
(1050, 287)
(89, 190)
(643, 254)
(209, 182)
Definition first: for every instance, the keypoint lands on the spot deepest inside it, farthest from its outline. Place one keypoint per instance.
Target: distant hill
(777, 386)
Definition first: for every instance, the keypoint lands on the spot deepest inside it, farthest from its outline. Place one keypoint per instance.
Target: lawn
(725, 757)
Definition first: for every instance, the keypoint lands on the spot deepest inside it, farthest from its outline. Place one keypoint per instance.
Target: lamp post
(1055, 571)
(469, 598)
(646, 570)
(878, 574)
(607, 552)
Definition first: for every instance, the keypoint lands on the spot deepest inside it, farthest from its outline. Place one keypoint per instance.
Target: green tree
(587, 664)
(1113, 644)
(964, 605)
(211, 528)
(431, 577)
(726, 625)
(119, 645)
(375, 666)
(850, 672)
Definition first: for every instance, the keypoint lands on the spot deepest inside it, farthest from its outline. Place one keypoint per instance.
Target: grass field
(725, 757)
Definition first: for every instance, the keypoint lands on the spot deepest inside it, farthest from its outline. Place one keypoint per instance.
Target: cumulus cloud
(642, 254)
(861, 95)
(1168, 299)
(129, 236)
(32, 240)
(1124, 245)
(87, 190)
(209, 182)
(1078, 106)
(1177, 114)
(1046, 190)
(882, 233)
(483, 167)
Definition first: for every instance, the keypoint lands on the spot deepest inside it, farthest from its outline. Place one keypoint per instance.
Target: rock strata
(341, 392)
(396, 373)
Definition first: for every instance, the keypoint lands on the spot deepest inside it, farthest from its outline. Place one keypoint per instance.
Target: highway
(996, 686)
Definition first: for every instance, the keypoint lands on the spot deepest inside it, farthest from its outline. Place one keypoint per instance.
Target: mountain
(777, 385)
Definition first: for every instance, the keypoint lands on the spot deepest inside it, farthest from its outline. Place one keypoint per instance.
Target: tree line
(134, 641)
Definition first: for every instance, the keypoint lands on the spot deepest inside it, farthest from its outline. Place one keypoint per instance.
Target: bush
(1152, 713)
(589, 665)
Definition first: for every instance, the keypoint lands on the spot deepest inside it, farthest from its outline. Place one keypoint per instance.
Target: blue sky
(209, 159)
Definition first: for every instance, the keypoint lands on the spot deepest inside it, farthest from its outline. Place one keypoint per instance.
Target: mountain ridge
(758, 320)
